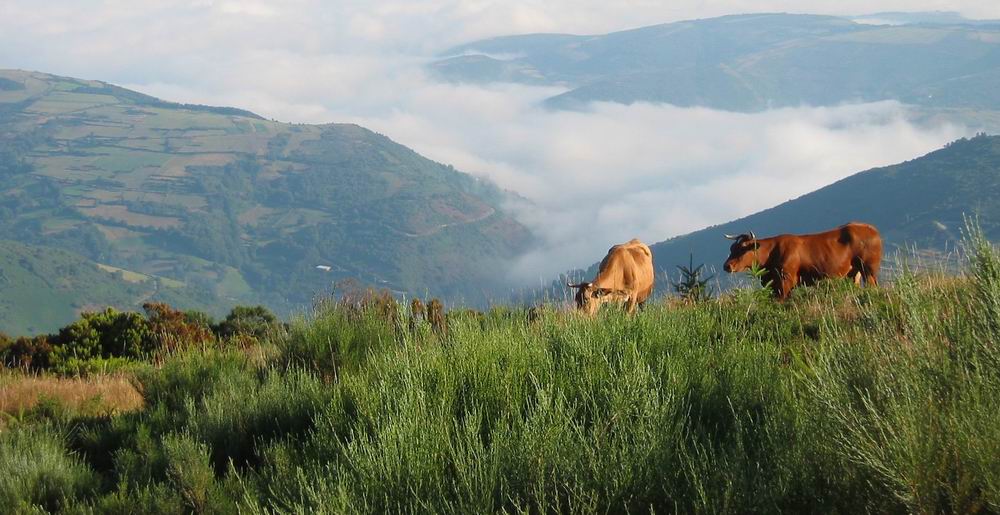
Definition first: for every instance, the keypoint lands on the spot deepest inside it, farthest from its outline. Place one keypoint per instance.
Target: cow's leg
(789, 278)
(630, 305)
(871, 274)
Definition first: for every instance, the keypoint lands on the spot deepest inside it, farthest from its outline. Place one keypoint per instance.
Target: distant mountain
(917, 204)
(921, 18)
(248, 209)
(45, 288)
(751, 63)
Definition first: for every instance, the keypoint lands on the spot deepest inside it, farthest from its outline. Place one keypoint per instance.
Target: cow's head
(742, 253)
(589, 297)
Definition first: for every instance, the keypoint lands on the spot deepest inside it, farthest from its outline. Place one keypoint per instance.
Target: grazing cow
(853, 250)
(625, 275)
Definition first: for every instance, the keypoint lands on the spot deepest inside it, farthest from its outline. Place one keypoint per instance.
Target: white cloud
(595, 177)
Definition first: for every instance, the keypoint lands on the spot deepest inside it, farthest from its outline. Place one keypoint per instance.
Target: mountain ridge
(748, 63)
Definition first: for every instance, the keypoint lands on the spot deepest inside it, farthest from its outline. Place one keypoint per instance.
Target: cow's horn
(577, 285)
(732, 237)
(753, 236)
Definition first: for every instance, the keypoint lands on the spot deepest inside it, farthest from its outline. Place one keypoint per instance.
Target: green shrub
(38, 472)
(189, 471)
(106, 334)
(238, 416)
(338, 337)
(192, 375)
(254, 323)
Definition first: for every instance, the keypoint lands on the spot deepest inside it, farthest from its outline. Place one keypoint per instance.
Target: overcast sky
(596, 177)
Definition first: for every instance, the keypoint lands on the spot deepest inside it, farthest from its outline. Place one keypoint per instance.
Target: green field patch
(134, 179)
(297, 138)
(176, 166)
(263, 128)
(121, 160)
(292, 220)
(239, 143)
(77, 190)
(33, 85)
(181, 119)
(896, 36)
(136, 277)
(10, 97)
(57, 225)
(254, 215)
(67, 102)
(117, 234)
(192, 202)
(86, 130)
(65, 86)
(232, 285)
(275, 169)
(60, 166)
(127, 275)
(105, 196)
(147, 144)
(122, 215)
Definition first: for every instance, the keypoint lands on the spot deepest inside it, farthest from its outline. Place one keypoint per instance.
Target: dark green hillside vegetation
(840, 400)
(750, 63)
(240, 207)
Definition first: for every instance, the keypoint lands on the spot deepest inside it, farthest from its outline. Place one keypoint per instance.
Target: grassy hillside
(917, 204)
(244, 207)
(840, 400)
(750, 63)
(42, 288)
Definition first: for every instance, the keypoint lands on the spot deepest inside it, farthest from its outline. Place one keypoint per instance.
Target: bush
(102, 335)
(188, 471)
(340, 336)
(171, 329)
(255, 323)
(28, 353)
(38, 472)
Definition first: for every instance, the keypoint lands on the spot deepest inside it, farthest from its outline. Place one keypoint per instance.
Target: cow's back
(628, 266)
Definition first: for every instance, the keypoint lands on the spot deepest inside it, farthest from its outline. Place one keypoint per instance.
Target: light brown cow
(625, 275)
(852, 250)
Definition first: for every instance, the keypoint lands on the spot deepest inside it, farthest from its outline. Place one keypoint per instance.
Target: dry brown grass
(20, 392)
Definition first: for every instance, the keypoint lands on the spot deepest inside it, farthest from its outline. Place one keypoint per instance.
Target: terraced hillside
(249, 209)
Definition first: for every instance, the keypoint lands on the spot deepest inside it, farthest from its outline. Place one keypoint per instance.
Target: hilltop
(231, 203)
(751, 63)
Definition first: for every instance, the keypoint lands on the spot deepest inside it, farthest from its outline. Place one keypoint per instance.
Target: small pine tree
(690, 285)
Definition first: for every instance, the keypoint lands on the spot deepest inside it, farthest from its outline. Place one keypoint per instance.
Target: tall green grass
(38, 474)
(838, 400)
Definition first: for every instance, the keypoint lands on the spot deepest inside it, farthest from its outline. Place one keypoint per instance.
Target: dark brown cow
(625, 275)
(853, 250)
